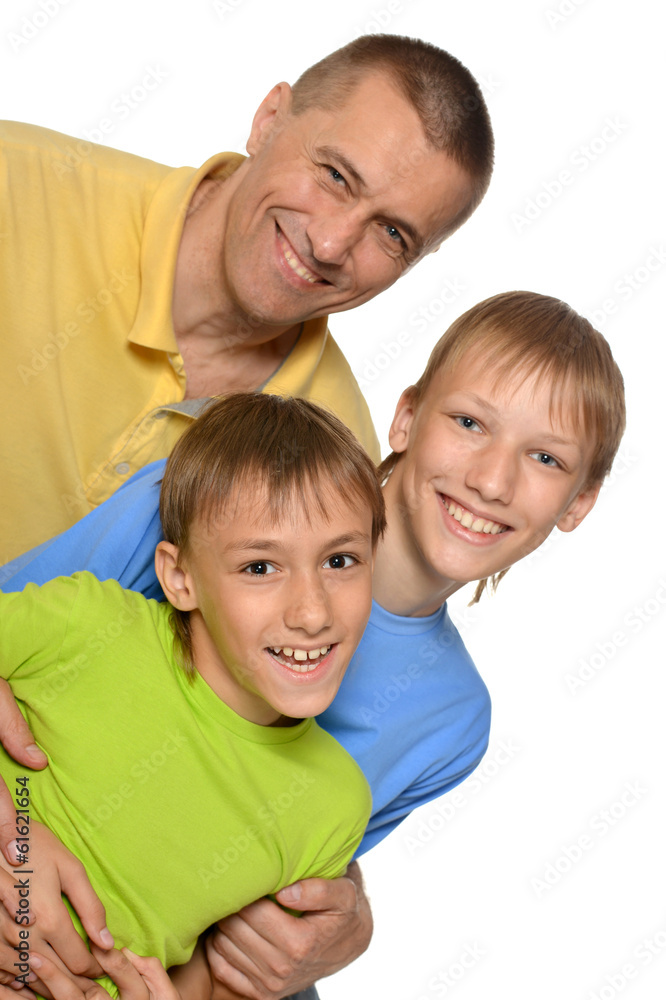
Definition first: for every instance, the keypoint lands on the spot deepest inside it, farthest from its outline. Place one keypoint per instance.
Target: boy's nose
(309, 607)
(492, 474)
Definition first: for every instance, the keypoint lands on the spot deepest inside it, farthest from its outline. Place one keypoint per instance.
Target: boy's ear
(275, 105)
(402, 422)
(579, 508)
(175, 581)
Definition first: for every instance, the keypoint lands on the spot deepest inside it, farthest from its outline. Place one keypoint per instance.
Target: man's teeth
(478, 524)
(296, 266)
(303, 658)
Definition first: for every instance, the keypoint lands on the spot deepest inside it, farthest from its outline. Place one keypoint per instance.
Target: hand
(263, 953)
(19, 743)
(54, 870)
(137, 978)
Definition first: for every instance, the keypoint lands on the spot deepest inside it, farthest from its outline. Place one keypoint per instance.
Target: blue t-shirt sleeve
(116, 541)
(438, 781)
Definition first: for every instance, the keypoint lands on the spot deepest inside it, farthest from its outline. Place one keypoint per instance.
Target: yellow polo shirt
(94, 382)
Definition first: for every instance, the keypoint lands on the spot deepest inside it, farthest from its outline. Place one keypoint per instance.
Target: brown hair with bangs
(520, 334)
(286, 454)
(442, 91)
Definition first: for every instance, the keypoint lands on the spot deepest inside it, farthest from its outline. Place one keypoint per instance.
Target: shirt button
(160, 415)
(122, 468)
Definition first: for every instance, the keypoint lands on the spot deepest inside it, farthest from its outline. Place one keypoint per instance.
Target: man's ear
(579, 508)
(402, 421)
(175, 581)
(274, 107)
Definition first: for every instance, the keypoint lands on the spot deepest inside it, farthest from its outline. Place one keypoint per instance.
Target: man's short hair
(444, 94)
(288, 456)
(520, 334)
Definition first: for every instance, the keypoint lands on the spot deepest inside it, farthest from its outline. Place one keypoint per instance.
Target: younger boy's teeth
(302, 658)
(478, 524)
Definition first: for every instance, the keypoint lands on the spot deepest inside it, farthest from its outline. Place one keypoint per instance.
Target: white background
(473, 886)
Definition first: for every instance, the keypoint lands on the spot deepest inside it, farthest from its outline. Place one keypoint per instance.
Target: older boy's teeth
(478, 524)
(287, 650)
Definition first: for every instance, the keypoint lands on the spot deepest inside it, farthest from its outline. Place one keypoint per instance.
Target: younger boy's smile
(279, 605)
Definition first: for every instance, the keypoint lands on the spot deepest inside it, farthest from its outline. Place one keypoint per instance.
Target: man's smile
(295, 263)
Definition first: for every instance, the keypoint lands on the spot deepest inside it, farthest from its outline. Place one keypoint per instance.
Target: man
(132, 291)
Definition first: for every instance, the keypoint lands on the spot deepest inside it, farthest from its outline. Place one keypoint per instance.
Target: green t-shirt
(180, 810)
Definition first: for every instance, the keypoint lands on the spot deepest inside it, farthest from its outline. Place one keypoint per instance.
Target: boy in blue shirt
(509, 432)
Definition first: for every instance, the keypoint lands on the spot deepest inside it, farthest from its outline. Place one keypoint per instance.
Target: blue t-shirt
(412, 709)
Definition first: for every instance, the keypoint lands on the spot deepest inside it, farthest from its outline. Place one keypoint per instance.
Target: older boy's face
(487, 472)
(281, 606)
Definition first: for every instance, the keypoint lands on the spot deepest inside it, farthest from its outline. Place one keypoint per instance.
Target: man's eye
(395, 235)
(545, 459)
(467, 423)
(259, 569)
(336, 176)
(339, 561)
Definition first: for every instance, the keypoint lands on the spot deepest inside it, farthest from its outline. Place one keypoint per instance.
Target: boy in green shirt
(193, 720)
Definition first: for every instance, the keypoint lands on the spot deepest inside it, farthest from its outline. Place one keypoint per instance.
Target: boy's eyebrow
(275, 544)
(546, 437)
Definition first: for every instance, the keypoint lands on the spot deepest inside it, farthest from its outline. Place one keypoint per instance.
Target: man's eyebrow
(332, 153)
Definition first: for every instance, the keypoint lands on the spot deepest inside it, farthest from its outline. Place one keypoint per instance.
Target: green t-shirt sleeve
(33, 626)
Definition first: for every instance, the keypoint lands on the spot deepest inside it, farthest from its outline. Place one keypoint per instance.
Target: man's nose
(334, 235)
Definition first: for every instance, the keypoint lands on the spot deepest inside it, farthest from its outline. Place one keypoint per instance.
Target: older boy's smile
(486, 472)
(471, 520)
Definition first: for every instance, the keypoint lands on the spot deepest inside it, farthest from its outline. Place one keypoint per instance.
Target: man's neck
(222, 349)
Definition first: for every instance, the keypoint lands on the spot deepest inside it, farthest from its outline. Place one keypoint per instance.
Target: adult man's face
(333, 206)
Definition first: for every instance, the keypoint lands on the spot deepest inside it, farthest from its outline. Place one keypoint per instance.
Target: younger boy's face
(279, 607)
(487, 472)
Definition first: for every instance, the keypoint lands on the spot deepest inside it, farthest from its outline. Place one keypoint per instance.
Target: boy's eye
(259, 569)
(467, 423)
(543, 458)
(339, 561)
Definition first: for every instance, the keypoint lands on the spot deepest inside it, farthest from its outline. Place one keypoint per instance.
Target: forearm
(193, 981)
